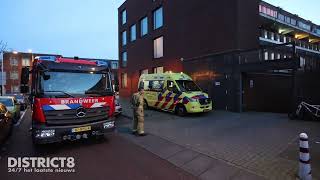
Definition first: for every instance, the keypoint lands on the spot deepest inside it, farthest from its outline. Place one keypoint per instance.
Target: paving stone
(183, 157)
(199, 165)
(244, 175)
(219, 170)
(255, 141)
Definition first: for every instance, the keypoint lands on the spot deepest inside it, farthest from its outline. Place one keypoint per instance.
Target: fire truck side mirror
(24, 88)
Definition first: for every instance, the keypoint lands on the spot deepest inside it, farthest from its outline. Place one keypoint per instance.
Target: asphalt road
(110, 158)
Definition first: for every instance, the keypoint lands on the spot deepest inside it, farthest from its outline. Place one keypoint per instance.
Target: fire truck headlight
(45, 133)
(108, 125)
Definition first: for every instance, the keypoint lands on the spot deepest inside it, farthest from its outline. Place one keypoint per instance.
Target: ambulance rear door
(153, 91)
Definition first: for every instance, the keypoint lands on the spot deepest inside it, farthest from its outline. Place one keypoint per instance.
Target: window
(304, 26)
(158, 70)
(288, 19)
(144, 26)
(145, 85)
(114, 65)
(272, 36)
(13, 62)
(158, 18)
(124, 59)
(144, 71)
(302, 62)
(265, 34)
(155, 85)
(284, 39)
(278, 37)
(124, 80)
(25, 62)
(15, 89)
(158, 47)
(281, 17)
(133, 33)
(268, 11)
(124, 16)
(14, 75)
(272, 56)
(293, 22)
(124, 38)
(266, 55)
(171, 86)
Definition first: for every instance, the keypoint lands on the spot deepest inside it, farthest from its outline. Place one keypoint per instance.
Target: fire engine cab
(71, 98)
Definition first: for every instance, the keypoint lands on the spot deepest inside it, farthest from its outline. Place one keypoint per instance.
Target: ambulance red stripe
(173, 105)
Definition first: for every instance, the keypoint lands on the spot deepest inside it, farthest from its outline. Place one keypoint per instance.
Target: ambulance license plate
(81, 129)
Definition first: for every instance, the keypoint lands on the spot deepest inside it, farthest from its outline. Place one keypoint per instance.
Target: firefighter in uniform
(137, 102)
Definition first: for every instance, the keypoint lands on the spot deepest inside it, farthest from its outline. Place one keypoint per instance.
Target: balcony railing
(280, 39)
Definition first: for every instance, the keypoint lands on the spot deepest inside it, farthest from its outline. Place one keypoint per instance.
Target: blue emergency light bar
(46, 58)
(102, 63)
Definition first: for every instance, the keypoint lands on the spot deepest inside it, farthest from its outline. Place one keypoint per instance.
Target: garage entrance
(267, 92)
(249, 80)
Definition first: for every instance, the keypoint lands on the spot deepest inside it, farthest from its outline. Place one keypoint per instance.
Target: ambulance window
(171, 86)
(156, 85)
(146, 85)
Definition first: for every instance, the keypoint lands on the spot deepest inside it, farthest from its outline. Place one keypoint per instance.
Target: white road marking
(18, 123)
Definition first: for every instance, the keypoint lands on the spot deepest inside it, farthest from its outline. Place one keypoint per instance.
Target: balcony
(276, 38)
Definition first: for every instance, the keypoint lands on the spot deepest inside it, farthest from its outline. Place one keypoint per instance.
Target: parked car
(118, 110)
(6, 123)
(12, 105)
(22, 100)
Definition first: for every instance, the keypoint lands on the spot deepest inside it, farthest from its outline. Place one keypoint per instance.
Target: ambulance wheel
(181, 110)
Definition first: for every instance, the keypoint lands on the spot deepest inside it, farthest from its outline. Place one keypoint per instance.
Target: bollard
(304, 164)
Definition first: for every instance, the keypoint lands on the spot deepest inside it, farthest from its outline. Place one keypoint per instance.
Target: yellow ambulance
(174, 92)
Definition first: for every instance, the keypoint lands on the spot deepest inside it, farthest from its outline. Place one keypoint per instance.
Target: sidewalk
(194, 162)
(263, 143)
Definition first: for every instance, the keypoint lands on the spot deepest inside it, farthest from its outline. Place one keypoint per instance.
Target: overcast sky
(85, 28)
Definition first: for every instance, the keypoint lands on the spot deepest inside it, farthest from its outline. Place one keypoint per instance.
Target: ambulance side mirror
(24, 83)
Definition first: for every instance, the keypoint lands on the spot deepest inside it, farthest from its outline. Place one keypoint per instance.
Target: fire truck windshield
(71, 83)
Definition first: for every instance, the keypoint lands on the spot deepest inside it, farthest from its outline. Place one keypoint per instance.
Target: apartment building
(158, 36)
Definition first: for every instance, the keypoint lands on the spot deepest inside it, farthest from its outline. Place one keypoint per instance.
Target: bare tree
(3, 47)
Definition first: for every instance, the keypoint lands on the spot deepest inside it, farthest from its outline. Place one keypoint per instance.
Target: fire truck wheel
(181, 110)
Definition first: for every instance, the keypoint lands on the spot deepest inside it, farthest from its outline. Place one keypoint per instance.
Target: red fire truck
(71, 98)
